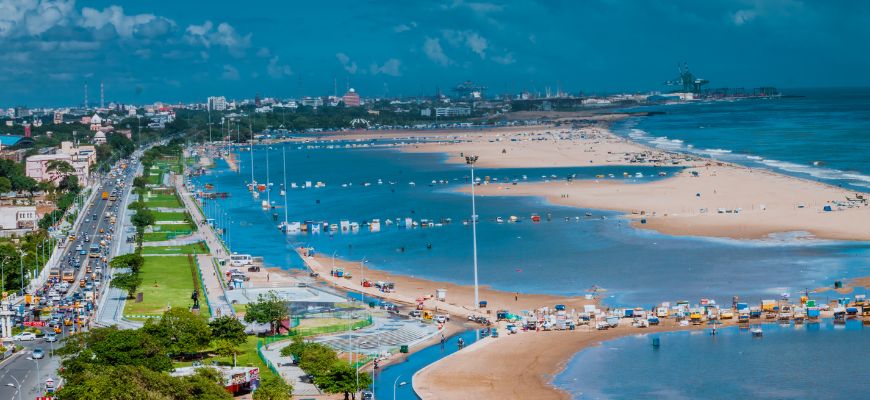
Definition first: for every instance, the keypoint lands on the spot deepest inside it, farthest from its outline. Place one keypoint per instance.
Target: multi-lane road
(96, 226)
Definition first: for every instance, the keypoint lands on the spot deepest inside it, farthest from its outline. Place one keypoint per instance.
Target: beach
(459, 300)
(519, 366)
(720, 200)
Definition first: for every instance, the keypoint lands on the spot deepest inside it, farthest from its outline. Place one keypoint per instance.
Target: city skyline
(144, 53)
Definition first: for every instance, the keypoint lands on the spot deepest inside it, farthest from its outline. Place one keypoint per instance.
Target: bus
(94, 251)
(54, 273)
(69, 275)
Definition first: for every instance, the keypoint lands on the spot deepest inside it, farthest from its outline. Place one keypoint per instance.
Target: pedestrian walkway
(190, 239)
(384, 335)
(211, 273)
(292, 374)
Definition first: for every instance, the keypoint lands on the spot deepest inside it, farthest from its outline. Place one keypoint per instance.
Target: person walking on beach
(516, 296)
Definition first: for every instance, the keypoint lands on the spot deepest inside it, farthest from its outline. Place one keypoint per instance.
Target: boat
(536, 218)
(513, 218)
(499, 219)
(265, 204)
(757, 332)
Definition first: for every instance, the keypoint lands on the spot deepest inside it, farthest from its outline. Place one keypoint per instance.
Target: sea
(820, 134)
(808, 361)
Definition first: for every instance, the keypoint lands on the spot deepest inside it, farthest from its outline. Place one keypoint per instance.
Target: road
(94, 219)
(25, 371)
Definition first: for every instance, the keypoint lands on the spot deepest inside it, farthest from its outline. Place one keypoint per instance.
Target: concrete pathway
(211, 273)
(291, 373)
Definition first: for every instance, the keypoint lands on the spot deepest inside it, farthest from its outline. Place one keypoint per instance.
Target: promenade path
(211, 274)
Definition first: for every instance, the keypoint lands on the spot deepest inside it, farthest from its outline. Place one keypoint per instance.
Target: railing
(319, 330)
(264, 359)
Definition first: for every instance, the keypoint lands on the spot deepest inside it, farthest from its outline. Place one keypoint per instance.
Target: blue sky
(186, 50)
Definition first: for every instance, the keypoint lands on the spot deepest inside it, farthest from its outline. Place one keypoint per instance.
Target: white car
(24, 337)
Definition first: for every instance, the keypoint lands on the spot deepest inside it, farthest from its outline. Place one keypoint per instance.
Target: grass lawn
(169, 216)
(162, 200)
(155, 178)
(194, 248)
(174, 228)
(155, 236)
(166, 281)
(247, 357)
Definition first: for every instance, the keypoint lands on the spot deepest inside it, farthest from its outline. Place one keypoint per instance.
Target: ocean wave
(715, 151)
(755, 158)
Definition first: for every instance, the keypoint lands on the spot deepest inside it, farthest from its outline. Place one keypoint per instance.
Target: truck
(105, 196)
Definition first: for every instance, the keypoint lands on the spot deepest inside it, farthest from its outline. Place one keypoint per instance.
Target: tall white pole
(284, 156)
(474, 236)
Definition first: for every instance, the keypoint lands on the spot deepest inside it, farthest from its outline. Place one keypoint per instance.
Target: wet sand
(689, 205)
(459, 300)
(520, 366)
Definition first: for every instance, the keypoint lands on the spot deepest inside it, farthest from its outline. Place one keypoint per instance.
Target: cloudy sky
(185, 50)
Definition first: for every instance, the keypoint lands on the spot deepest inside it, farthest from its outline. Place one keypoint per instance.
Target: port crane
(687, 80)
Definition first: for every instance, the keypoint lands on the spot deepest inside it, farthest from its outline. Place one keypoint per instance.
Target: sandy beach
(519, 366)
(702, 202)
(460, 298)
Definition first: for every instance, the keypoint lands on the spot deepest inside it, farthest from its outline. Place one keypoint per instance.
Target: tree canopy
(268, 309)
(180, 331)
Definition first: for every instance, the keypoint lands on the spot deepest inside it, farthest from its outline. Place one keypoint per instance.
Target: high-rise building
(351, 98)
(217, 103)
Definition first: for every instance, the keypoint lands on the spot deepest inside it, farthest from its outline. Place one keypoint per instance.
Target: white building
(217, 103)
(312, 102)
(36, 167)
(17, 217)
(452, 111)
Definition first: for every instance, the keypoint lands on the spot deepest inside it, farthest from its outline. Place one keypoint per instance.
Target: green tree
(343, 378)
(139, 383)
(59, 167)
(180, 331)
(133, 261)
(228, 328)
(102, 347)
(317, 359)
(269, 308)
(127, 281)
(5, 184)
(226, 348)
(273, 388)
(69, 183)
(143, 218)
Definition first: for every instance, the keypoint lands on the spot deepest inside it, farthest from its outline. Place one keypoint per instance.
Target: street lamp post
(38, 375)
(17, 386)
(470, 160)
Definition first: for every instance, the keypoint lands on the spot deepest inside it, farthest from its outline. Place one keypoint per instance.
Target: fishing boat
(757, 332)
(513, 218)
(265, 205)
(499, 220)
(638, 175)
(354, 226)
(588, 214)
(536, 218)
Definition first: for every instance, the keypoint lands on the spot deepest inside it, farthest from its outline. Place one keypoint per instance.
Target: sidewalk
(211, 274)
(291, 373)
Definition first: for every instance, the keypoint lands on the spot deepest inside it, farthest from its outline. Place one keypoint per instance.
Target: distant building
(426, 112)
(18, 217)
(452, 111)
(217, 103)
(84, 153)
(351, 98)
(312, 102)
(99, 137)
(36, 167)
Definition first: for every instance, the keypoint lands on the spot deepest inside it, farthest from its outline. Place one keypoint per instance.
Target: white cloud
(391, 67)
(504, 59)
(432, 49)
(404, 27)
(146, 25)
(743, 16)
(224, 35)
(277, 70)
(346, 63)
(33, 17)
(230, 73)
(470, 39)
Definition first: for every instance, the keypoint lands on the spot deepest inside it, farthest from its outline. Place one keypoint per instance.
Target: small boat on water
(513, 218)
(499, 220)
(588, 214)
(536, 218)
(638, 175)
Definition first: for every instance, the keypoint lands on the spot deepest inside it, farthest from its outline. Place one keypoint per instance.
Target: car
(37, 354)
(415, 314)
(50, 337)
(24, 337)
